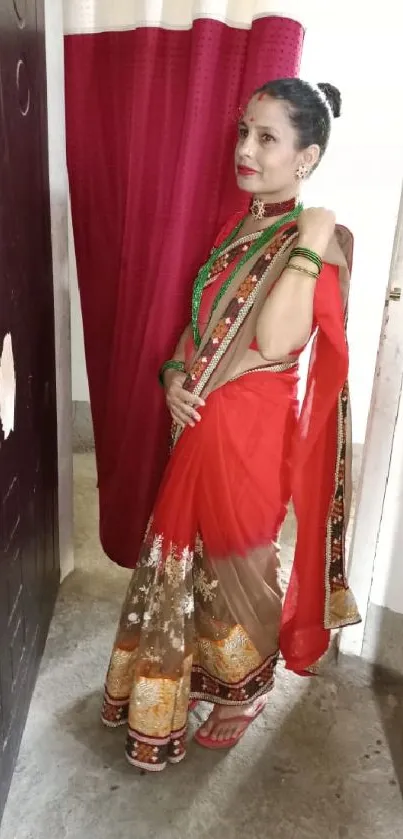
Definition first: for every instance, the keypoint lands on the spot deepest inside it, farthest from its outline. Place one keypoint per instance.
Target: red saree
(203, 615)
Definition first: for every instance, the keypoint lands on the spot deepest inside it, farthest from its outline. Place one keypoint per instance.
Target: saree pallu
(203, 616)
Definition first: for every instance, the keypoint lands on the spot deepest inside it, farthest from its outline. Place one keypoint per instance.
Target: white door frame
(377, 448)
(58, 185)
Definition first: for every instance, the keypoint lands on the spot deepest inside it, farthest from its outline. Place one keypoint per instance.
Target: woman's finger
(186, 409)
(190, 412)
(192, 399)
(182, 418)
(178, 393)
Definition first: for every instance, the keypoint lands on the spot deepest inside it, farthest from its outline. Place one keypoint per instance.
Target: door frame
(59, 203)
(378, 448)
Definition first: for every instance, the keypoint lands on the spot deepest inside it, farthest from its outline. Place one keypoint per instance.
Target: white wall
(58, 205)
(387, 580)
(80, 392)
(374, 563)
(359, 51)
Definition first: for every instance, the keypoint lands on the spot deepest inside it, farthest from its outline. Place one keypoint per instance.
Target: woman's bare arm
(285, 322)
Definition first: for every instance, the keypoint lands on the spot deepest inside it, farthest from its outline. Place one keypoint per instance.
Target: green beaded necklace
(203, 275)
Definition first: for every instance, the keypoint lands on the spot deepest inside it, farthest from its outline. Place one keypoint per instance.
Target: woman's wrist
(305, 262)
(168, 377)
(171, 368)
(314, 242)
(303, 269)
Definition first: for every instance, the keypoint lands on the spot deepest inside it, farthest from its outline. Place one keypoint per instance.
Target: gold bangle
(302, 270)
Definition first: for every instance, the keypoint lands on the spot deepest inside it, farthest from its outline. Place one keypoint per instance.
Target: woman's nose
(248, 147)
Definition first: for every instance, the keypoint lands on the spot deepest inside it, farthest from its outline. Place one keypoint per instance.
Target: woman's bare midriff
(253, 360)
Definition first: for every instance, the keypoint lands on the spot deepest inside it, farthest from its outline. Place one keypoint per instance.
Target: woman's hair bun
(333, 97)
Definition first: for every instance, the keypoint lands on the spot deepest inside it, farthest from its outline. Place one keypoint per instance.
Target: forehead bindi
(266, 112)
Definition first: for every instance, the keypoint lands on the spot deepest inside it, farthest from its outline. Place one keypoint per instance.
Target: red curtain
(151, 117)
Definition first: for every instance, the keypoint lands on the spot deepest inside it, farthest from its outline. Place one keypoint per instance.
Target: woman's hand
(181, 404)
(316, 227)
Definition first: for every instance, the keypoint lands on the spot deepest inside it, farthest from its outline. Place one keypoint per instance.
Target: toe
(230, 731)
(220, 733)
(207, 727)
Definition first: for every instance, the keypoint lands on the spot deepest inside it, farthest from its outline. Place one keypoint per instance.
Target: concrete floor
(324, 762)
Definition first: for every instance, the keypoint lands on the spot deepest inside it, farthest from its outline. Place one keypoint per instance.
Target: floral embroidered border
(153, 753)
(340, 607)
(115, 712)
(233, 318)
(235, 314)
(210, 689)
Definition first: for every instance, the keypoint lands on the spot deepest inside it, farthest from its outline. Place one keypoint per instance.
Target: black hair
(310, 108)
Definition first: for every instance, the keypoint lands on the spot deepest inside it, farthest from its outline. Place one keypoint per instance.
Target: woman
(204, 617)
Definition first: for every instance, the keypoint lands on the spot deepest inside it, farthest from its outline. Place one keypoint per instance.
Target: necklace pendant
(257, 209)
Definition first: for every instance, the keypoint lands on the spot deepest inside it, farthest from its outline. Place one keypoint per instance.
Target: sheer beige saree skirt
(196, 629)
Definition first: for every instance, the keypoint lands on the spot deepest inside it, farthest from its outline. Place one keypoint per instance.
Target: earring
(302, 172)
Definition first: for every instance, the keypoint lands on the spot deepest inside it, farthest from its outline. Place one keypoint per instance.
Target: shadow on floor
(388, 690)
(307, 770)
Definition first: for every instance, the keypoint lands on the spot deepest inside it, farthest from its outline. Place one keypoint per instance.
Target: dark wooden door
(29, 563)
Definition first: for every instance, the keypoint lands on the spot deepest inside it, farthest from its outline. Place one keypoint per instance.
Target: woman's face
(266, 155)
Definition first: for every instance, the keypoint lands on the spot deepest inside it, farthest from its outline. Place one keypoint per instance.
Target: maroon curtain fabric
(151, 118)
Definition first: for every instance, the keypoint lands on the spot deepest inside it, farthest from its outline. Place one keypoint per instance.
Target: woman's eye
(267, 138)
(242, 132)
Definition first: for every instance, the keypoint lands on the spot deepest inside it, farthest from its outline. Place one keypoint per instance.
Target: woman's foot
(227, 724)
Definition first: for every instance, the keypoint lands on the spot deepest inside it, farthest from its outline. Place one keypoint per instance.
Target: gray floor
(324, 762)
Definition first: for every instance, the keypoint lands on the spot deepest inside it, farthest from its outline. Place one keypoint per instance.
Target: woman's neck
(277, 197)
(252, 225)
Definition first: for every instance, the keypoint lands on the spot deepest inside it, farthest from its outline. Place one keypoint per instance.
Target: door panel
(29, 561)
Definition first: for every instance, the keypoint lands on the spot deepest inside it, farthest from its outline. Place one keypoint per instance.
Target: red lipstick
(245, 170)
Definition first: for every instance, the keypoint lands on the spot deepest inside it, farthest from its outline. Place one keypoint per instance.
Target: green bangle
(308, 254)
(171, 365)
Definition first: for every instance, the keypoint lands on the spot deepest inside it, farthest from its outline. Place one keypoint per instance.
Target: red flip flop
(209, 743)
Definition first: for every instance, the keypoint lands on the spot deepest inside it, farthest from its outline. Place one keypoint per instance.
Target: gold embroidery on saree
(170, 646)
(230, 659)
(225, 331)
(340, 607)
(203, 586)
